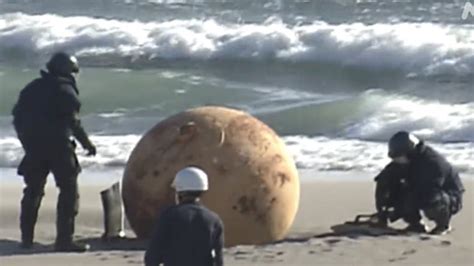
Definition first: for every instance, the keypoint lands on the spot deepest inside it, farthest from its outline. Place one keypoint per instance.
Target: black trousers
(439, 207)
(35, 168)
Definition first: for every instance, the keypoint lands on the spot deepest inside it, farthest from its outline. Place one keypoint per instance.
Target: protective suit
(45, 119)
(418, 179)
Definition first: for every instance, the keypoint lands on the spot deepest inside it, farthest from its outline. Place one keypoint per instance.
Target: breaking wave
(416, 49)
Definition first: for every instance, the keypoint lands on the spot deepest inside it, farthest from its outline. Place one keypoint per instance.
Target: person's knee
(455, 202)
(65, 167)
(33, 192)
(67, 184)
(68, 193)
(438, 207)
(68, 200)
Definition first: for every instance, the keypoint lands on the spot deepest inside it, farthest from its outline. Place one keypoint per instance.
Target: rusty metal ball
(253, 181)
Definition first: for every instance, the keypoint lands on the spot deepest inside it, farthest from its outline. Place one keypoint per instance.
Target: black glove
(91, 150)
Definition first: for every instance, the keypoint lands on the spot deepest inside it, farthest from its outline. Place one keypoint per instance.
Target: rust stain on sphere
(253, 181)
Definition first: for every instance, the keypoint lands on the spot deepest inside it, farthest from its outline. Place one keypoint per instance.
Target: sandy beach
(316, 238)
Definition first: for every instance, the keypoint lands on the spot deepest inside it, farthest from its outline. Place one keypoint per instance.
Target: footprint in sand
(332, 241)
(424, 238)
(409, 252)
(445, 243)
(326, 250)
(397, 259)
(242, 252)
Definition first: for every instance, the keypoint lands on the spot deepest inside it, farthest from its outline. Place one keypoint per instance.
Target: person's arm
(154, 254)
(80, 134)
(387, 182)
(219, 245)
(69, 107)
(382, 188)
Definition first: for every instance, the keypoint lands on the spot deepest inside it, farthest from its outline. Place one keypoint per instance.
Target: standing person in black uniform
(188, 233)
(46, 118)
(425, 181)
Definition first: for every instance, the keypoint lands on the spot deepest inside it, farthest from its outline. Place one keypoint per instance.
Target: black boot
(64, 241)
(440, 213)
(441, 230)
(30, 204)
(70, 246)
(26, 236)
(26, 244)
(67, 209)
(418, 227)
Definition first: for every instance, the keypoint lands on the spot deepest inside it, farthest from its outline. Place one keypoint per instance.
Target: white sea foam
(428, 119)
(418, 49)
(326, 154)
(112, 151)
(321, 153)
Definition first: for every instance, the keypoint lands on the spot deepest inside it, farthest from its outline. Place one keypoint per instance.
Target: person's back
(193, 232)
(188, 233)
(430, 170)
(431, 173)
(42, 115)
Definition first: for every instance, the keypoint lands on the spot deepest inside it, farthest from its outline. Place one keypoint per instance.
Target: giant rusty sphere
(253, 181)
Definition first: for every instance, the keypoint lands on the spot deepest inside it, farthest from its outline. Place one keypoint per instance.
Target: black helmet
(62, 64)
(402, 143)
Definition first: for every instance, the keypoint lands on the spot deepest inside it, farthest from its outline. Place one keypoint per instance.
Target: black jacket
(186, 234)
(389, 185)
(46, 113)
(429, 172)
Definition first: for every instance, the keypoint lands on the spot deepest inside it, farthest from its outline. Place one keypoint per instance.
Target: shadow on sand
(9, 247)
(345, 230)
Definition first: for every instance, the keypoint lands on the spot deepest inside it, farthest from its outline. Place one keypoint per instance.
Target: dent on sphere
(253, 181)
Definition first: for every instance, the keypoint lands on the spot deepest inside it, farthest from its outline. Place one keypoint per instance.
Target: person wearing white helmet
(187, 233)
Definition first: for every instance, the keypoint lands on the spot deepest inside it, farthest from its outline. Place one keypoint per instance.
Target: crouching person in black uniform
(45, 118)
(426, 182)
(188, 233)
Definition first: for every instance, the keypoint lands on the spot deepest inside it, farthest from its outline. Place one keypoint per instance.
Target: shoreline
(107, 176)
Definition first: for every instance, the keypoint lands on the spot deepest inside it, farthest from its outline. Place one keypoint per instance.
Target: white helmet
(190, 179)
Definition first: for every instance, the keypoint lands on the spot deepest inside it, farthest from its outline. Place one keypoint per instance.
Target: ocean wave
(113, 151)
(417, 49)
(321, 153)
(374, 115)
(431, 120)
(327, 154)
